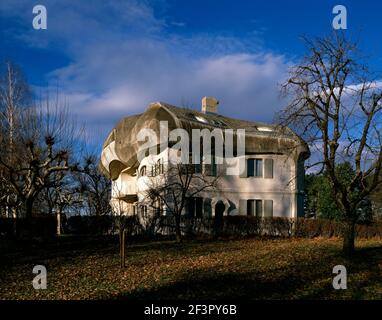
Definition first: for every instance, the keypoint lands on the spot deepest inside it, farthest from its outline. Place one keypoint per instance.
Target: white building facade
(269, 185)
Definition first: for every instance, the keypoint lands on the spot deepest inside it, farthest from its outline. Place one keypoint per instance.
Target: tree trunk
(58, 216)
(14, 218)
(178, 232)
(122, 247)
(349, 237)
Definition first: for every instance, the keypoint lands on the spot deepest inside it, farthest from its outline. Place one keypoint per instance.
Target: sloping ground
(250, 269)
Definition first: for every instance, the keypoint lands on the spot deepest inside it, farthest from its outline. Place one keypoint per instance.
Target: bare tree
(172, 184)
(335, 105)
(121, 210)
(61, 198)
(94, 187)
(15, 97)
(46, 141)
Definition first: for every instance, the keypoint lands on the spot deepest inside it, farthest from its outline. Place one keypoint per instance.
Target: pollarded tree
(45, 142)
(335, 105)
(61, 197)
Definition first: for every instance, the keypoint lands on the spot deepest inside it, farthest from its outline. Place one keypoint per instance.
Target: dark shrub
(91, 225)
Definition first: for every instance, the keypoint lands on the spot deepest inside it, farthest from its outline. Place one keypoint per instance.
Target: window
(198, 167)
(192, 167)
(211, 169)
(217, 122)
(201, 119)
(259, 168)
(250, 167)
(250, 207)
(158, 207)
(259, 208)
(254, 167)
(213, 165)
(142, 172)
(158, 168)
(266, 129)
(255, 208)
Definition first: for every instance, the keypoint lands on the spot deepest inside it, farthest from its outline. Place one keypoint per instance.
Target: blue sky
(110, 59)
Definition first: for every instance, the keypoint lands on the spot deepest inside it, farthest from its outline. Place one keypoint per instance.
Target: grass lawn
(88, 268)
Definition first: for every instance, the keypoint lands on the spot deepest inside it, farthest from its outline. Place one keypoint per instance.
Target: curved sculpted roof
(120, 148)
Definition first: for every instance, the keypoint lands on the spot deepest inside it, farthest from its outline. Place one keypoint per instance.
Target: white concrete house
(270, 185)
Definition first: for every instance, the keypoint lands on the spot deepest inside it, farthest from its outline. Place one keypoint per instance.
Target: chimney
(209, 105)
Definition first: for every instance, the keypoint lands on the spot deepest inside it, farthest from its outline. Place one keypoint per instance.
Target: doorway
(219, 213)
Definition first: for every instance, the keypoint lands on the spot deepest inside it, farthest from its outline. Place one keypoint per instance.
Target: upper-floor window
(142, 171)
(254, 167)
(213, 170)
(259, 168)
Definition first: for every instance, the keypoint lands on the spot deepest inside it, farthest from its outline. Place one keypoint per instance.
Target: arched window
(142, 172)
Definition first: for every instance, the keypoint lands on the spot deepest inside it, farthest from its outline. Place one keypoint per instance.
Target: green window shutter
(268, 167)
(268, 208)
(243, 206)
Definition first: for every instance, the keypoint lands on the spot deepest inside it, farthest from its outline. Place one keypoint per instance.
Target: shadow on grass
(369, 285)
(293, 282)
(17, 252)
(304, 276)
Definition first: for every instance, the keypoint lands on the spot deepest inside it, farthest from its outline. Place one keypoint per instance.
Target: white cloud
(123, 58)
(245, 84)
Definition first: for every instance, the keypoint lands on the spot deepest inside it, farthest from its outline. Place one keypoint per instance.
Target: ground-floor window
(257, 207)
(254, 207)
